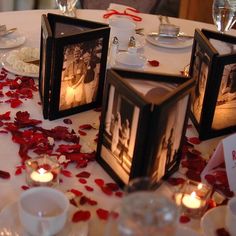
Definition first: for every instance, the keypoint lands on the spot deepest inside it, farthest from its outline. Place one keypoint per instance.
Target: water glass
(67, 7)
(223, 13)
(143, 213)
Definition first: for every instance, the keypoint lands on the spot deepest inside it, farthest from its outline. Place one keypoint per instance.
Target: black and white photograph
(224, 115)
(170, 139)
(200, 74)
(80, 74)
(120, 133)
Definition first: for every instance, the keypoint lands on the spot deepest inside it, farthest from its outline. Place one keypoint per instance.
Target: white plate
(12, 40)
(184, 231)
(170, 42)
(214, 219)
(9, 68)
(130, 59)
(10, 224)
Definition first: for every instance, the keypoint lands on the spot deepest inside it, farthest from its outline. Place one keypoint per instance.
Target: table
(171, 61)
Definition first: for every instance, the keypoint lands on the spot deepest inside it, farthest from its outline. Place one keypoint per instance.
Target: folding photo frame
(139, 135)
(73, 55)
(213, 67)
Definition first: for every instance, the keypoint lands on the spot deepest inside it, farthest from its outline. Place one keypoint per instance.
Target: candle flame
(42, 171)
(199, 186)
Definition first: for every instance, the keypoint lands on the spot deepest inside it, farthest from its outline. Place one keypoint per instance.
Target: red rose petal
(86, 127)
(67, 121)
(76, 192)
(83, 174)
(184, 219)
(175, 181)
(83, 181)
(82, 133)
(81, 216)
(88, 188)
(99, 182)
(4, 174)
(154, 63)
(24, 187)
(106, 190)
(119, 194)
(18, 171)
(102, 214)
(66, 173)
(193, 175)
(112, 186)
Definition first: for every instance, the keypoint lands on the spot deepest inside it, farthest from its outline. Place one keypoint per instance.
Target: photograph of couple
(80, 74)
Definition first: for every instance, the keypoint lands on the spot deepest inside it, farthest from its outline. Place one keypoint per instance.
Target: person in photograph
(169, 147)
(75, 74)
(124, 139)
(115, 133)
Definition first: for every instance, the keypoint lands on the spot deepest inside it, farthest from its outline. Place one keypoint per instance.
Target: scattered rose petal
(83, 174)
(184, 219)
(119, 194)
(99, 182)
(86, 127)
(82, 181)
(81, 216)
(76, 192)
(88, 188)
(112, 186)
(82, 133)
(102, 214)
(67, 121)
(24, 187)
(154, 63)
(18, 171)
(66, 173)
(106, 190)
(175, 181)
(4, 174)
(222, 232)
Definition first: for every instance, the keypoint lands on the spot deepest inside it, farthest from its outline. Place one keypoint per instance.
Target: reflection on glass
(67, 7)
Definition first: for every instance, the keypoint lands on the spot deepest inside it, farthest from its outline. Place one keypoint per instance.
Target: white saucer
(170, 42)
(214, 219)
(9, 68)
(130, 59)
(12, 40)
(10, 223)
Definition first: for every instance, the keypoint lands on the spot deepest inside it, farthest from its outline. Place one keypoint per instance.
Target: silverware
(179, 35)
(7, 31)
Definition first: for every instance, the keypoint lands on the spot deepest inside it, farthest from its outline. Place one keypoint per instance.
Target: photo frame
(139, 110)
(73, 57)
(212, 66)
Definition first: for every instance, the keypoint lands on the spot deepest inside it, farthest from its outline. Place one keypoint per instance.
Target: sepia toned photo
(224, 115)
(80, 74)
(170, 139)
(120, 133)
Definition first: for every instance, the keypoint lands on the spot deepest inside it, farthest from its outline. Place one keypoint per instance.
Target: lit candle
(191, 201)
(41, 175)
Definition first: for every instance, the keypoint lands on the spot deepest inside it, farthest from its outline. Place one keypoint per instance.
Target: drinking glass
(143, 213)
(67, 7)
(223, 13)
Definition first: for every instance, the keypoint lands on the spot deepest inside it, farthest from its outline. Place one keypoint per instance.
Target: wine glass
(223, 13)
(67, 7)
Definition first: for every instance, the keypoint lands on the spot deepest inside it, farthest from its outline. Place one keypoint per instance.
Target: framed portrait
(73, 65)
(212, 67)
(138, 116)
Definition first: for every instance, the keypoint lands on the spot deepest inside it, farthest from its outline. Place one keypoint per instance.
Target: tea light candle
(41, 175)
(191, 201)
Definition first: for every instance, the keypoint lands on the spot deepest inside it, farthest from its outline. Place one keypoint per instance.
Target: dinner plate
(12, 40)
(10, 223)
(170, 42)
(213, 219)
(12, 70)
(130, 59)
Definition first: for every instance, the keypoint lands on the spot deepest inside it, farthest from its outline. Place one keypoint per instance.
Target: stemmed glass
(223, 13)
(67, 7)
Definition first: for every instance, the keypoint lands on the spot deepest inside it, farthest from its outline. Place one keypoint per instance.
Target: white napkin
(118, 7)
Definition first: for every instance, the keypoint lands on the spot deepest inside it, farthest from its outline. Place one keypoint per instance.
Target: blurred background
(199, 10)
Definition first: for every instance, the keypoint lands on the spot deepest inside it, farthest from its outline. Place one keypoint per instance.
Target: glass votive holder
(193, 198)
(42, 171)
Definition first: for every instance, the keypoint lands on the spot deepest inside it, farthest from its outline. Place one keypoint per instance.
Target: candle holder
(193, 199)
(42, 171)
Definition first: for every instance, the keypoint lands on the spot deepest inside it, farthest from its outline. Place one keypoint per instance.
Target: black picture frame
(73, 65)
(134, 121)
(212, 108)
